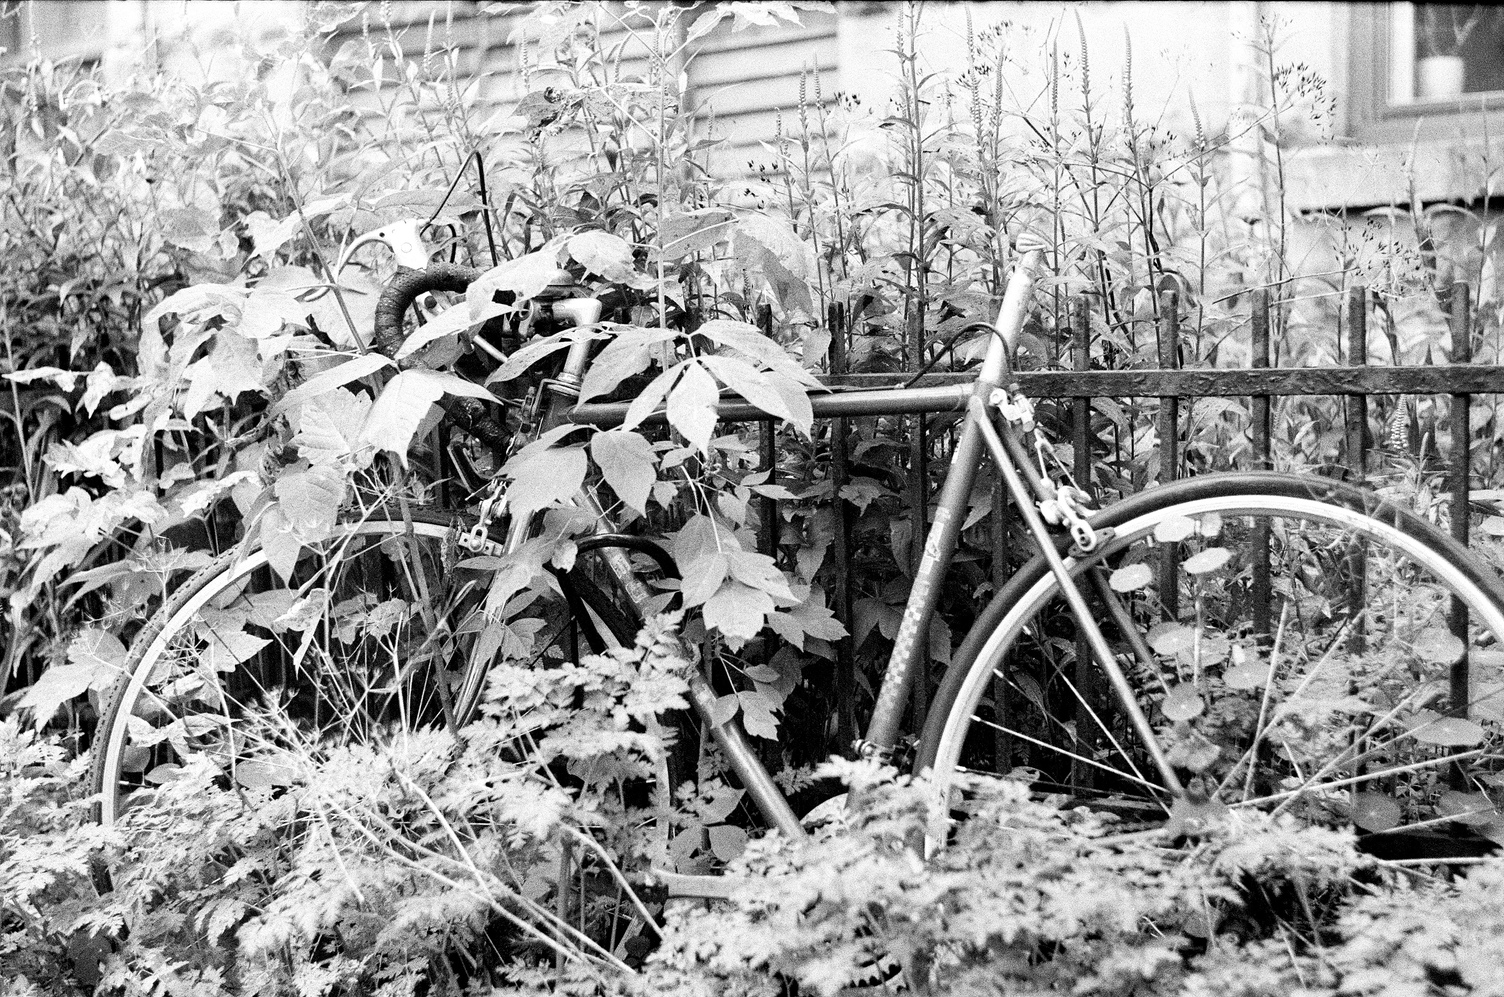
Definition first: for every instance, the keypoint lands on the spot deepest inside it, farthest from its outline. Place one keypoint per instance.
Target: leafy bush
(195, 372)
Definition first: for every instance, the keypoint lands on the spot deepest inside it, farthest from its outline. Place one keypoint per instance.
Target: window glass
(1472, 34)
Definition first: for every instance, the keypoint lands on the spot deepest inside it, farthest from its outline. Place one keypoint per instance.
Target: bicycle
(1268, 640)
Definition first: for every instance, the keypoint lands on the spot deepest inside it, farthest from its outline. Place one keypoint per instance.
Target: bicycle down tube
(978, 438)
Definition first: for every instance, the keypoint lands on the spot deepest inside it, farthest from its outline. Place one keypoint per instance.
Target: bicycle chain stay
(1064, 505)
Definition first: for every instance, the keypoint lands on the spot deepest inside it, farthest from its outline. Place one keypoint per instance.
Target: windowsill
(1377, 174)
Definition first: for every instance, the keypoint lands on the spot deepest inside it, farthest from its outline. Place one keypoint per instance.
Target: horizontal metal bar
(1442, 379)
(949, 397)
(884, 394)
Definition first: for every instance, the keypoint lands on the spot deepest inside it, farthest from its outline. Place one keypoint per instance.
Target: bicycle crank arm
(1077, 602)
(678, 884)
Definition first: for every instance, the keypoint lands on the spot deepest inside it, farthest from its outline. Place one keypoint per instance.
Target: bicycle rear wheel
(379, 630)
(1294, 655)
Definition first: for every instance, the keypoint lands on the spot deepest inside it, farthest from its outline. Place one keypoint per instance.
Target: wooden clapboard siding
(742, 82)
(738, 82)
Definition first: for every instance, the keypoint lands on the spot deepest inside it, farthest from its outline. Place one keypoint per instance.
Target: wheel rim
(347, 652)
(1393, 776)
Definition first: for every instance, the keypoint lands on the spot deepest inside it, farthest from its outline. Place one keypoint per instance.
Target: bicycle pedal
(678, 884)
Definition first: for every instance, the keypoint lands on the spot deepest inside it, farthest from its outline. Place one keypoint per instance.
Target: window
(1441, 51)
(1424, 72)
(64, 29)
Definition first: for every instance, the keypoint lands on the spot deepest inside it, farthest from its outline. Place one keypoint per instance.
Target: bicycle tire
(1345, 736)
(233, 578)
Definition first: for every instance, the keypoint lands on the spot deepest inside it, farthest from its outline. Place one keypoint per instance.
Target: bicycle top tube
(825, 405)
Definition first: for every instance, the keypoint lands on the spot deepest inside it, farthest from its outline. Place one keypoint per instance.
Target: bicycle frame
(979, 437)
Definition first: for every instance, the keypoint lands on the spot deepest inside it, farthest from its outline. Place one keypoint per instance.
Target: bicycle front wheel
(1294, 643)
(378, 630)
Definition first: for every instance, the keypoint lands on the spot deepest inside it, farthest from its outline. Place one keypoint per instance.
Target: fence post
(767, 533)
(1081, 407)
(840, 473)
(1086, 671)
(767, 520)
(1263, 430)
(1169, 444)
(1357, 451)
(1460, 314)
(1357, 405)
(918, 488)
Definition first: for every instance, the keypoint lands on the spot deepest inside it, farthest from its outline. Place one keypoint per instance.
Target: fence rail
(1261, 382)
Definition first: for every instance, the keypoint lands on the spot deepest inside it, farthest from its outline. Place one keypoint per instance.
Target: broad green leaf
(705, 24)
(738, 612)
(258, 773)
(519, 361)
(64, 379)
(95, 660)
(1473, 809)
(310, 500)
(604, 254)
(447, 323)
(1182, 703)
(626, 462)
(56, 686)
(356, 367)
(757, 715)
(1171, 639)
(647, 402)
(749, 341)
(700, 537)
(694, 231)
(268, 234)
(621, 358)
(303, 613)
(102, 382)
(526, 277)
(1375, 811)
(1206, 561)
(224, 649)
(692, 405)
(1250, 674)
(403, 406)
(196, 304)
(758, 570)
(723, 800)
(280, 542)
(702, 578)
(1131, 578)
(328, 428)
(724, 708)
(1451, 732)
(544, 478)
(1438, 646)
(232, 367)
(807, 619)
(203, 495)
(1177, 528)
(745, 380)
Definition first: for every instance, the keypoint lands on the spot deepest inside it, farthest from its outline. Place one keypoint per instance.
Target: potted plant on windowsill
(1444, 30)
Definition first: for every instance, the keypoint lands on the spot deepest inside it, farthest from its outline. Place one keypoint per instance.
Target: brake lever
(404, 238)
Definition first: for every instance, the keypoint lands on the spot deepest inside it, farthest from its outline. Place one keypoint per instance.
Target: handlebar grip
(405, 288)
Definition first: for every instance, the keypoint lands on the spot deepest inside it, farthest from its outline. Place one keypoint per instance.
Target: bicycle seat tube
(911, 646)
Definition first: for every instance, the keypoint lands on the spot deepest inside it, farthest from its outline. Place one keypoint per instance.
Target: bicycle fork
(977, 413)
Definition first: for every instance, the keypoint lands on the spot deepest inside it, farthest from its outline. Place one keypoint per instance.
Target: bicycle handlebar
(405, 288)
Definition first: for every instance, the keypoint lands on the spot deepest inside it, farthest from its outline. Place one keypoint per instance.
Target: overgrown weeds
(187, 370)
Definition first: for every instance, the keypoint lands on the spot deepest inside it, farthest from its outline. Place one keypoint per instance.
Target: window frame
(1375, 74)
